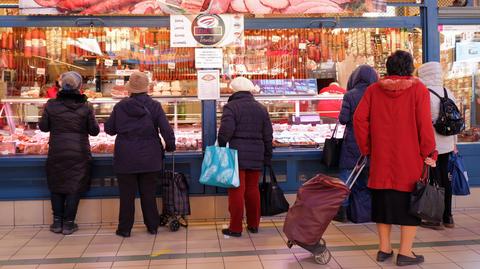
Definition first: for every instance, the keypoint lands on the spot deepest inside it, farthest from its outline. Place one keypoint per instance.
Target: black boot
(56, 226)
(69, 227)
(341, 214)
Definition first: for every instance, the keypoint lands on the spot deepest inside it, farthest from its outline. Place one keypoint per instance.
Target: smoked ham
(219, 6)
(320, 6)
(239, 6)
(256, 7)
(276, 4)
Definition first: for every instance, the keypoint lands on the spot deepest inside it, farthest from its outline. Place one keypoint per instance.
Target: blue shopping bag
(459, 175)
(220, 167)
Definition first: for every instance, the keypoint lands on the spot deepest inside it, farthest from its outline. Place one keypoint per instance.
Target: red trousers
(247, 194)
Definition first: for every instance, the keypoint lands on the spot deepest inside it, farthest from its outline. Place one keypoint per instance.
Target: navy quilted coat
(136, 121)
(359, 80)
(246, 126)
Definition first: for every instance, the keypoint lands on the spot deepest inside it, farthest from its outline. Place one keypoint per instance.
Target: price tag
(276, 38)
(171, 65)
(119, 82)
(108, 62)
(302, 46)
(41, 71)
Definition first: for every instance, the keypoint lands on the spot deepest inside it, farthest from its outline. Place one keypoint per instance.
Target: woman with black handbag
(432, 75)
(393, 126)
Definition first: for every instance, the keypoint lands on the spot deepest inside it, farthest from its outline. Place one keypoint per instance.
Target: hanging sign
(206, 30)
(208, 84)
(175, 7)
(209, 58)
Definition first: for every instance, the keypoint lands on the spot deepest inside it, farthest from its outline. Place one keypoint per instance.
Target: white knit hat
(431, 74)
(242, 84)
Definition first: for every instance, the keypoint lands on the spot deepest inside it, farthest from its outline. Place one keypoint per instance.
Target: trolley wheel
(163, 220)
(323, 258)
(174, 225)
(290, 244)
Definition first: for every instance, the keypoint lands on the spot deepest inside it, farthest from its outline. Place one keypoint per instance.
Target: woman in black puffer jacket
(70, 120)
(246, 126)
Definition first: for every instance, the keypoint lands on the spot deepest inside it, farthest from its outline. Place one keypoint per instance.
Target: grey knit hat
(71, 81)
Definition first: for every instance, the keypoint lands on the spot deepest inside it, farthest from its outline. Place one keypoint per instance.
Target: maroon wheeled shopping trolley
(317, 203)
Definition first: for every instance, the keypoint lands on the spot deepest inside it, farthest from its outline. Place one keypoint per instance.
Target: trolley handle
(357, 170)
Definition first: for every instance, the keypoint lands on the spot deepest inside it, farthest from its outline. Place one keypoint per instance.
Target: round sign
(208, 29)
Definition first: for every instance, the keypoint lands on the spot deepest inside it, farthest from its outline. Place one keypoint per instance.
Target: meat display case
(21, 115)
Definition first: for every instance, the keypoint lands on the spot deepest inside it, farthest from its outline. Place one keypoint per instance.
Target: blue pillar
(431, 36)
(209, 122)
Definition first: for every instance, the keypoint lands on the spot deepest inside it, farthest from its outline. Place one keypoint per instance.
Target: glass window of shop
(460, 57)
(32, 59)
(302, 74)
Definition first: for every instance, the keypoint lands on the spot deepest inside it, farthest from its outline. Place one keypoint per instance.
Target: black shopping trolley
(175, 199)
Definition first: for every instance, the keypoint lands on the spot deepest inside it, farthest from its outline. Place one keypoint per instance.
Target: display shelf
(105, 100)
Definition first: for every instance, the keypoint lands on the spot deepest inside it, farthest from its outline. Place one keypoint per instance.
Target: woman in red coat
(393, 126)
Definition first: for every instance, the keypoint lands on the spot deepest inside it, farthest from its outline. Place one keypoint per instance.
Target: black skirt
(391, 207)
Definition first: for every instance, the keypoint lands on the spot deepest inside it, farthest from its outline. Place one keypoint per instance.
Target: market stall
(289, 55)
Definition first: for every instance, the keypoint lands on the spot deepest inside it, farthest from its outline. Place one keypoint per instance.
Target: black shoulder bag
(331, 149)
(272, 199)
(427, 201)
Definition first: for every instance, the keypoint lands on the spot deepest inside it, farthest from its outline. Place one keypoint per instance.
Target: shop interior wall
(293, 167)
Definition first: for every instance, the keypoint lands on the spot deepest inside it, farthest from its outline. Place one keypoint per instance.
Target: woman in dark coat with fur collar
(70, 120)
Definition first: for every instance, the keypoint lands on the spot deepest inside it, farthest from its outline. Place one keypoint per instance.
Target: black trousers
(440, 175)
(146, 185)
(65, 206)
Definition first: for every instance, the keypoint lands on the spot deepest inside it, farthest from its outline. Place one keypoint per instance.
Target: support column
(431, 35)
(209, 122)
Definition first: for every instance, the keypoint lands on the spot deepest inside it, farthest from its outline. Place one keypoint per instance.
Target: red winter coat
(393, 125)
(330, 108)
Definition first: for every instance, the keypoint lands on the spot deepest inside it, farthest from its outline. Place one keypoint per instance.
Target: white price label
(276, 38)
(119, 82)
(302, 46)
(41, 71)
(171, 65)
(108, 62)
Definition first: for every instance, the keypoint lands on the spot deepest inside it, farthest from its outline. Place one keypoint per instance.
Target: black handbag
(427, 201)
(272, 199)
(331, 149)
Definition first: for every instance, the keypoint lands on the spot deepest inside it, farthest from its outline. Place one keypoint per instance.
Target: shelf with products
(33, 57)
(460, 47)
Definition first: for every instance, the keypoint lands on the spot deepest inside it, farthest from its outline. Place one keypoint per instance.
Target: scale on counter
(312, 119)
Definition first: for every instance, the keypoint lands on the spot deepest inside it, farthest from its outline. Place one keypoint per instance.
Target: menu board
(172, 7)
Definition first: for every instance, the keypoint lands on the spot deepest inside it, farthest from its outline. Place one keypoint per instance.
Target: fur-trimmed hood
(395, 86)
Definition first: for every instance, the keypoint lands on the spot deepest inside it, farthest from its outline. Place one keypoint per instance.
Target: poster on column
(184, 7)
(208, 84)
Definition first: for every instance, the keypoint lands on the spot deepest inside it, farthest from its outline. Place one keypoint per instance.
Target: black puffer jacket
(69, 119)
(136, 121)
(246, 126)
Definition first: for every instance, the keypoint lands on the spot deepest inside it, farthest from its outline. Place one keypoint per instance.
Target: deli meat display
(299, 64)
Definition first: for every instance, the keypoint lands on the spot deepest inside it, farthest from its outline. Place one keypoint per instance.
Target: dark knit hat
(71, 81)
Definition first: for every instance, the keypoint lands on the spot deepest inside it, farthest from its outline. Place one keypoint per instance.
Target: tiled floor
(202, 246)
